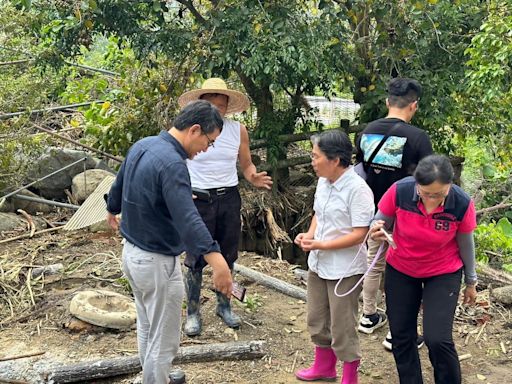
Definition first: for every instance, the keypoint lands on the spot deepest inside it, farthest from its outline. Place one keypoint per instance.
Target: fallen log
(272, 282)
(100, 369)
(488, 275)
(301, 274)
(294, 137)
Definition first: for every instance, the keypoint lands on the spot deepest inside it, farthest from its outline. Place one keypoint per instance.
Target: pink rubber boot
(323, 368)
(350, 372)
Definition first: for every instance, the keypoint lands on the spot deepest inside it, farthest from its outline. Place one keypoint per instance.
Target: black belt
(222, 191)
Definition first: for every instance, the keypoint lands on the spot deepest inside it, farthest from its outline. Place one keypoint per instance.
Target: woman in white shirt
(343, 210)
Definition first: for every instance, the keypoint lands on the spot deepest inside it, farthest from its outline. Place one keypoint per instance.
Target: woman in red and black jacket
(433, 222)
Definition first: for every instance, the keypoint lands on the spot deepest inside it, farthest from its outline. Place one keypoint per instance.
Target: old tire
(104, 308)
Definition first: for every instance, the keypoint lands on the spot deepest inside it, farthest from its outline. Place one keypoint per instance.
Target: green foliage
(424, 40)
(18, 151)
(490, 55)
(273, 47)
(303, 47)
(487, 173)
(139, 102)
(489, 76)
(123, 282)
(252, 303)
(21, 88)
(494, 243)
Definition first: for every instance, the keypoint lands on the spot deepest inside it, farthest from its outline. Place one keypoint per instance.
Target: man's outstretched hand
(262, 180)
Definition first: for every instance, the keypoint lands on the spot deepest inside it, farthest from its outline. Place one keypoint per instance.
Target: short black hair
(403, 91)
(199, 112)
(434, 168)
(335, 144)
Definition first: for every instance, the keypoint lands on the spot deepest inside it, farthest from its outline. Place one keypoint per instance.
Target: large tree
(422, 39)
(489, 73)
(272, 46)
(295, 48)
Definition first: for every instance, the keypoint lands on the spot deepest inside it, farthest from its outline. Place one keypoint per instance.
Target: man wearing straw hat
(216, 172)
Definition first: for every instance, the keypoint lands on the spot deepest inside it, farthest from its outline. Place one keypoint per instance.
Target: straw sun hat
(238, 102)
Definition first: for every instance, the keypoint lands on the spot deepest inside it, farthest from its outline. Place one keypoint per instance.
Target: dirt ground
(92, 260)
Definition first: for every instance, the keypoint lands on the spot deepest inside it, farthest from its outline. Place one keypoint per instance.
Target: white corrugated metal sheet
(94, 208)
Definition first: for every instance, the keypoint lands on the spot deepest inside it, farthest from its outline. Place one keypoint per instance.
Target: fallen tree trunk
(100, 369)
(272, 282)
(488, 275)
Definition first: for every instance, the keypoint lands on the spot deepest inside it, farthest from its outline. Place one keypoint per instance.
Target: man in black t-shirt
(404, 146)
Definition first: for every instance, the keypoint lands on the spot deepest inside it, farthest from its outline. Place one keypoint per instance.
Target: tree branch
(493, 208)
(199, 18)
(437, 34)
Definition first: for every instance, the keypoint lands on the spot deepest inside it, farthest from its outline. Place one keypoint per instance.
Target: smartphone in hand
(238, 291)
(389, 238)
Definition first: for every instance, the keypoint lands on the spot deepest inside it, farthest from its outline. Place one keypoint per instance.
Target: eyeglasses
(210, 141)
(428, 195)
(316, 156)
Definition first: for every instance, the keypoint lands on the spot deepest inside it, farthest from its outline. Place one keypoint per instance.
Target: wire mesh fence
(272, 220)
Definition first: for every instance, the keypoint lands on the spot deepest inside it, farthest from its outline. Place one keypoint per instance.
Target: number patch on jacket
(442, 225)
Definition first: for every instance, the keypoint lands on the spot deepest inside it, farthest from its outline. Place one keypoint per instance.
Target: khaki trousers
(158, 290)
(332, 320)
(372, 281)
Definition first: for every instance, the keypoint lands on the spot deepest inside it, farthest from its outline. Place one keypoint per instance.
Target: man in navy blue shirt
(160, 221)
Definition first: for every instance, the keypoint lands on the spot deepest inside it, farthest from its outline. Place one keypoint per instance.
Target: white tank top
(216, 168)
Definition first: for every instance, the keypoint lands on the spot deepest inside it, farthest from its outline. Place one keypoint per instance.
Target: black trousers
(222, 217)
(439, 294)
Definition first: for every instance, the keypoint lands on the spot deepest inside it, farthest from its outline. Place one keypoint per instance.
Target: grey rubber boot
(193, 281)
(177, 376)
(231, 319)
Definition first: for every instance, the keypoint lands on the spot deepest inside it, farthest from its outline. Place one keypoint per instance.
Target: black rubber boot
(231, 319)
(193, 281)
(177, 376)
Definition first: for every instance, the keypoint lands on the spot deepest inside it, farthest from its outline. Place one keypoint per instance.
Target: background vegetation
(278, 52)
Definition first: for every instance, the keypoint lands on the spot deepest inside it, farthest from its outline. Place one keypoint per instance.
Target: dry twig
(30, 222)
(22, 356)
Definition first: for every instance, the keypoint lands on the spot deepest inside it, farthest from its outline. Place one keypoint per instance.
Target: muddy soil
(92, 260)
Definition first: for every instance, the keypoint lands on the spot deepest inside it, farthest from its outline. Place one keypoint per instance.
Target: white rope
(375, 259)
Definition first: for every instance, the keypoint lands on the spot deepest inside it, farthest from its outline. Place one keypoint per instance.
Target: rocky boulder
(55, 159)
(86, 182)
(10, 221)
(503, 294)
